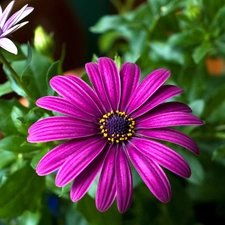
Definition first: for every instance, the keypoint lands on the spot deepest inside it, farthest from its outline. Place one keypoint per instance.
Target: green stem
(17, 78)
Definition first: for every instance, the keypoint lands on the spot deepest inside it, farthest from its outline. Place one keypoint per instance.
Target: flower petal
(14, 28)
(151, 173)
(130, 76)
(96, 80)
(124, 184)
(162, 94)
(76, 94)
(63, 106)
(84, 180)
(162, 155)
(60, 128)
(8, 45)
(166, 108)
(147, 88)
(76, 163)
(89, 90)
(167, 120)
(16, 17)
(111, 81)
(106, 190)
(54, 159)
(6, 13)
(170, 135)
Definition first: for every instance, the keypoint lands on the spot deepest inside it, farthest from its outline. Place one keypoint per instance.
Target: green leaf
(17, 113)
(186, 38)
(87, 208)
(5, 88)
(38, 157)
(201, 51)
(198, 173)
(73, 215)
(33, 73)
(161, 51)
(219, 152)
(20, 192)
(16, 143)
(53, 70)
(29, 218)
(108, 23)
(197, 106)
(6, 123)
(218, 23)
(6, 158)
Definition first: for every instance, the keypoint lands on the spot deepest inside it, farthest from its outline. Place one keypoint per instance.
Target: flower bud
(43, 42)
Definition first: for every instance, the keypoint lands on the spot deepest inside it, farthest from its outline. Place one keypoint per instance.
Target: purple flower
(110, 127)
(8, 26)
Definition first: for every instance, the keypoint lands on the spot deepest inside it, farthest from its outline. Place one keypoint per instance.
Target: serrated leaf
(20, 192)
(5, 88)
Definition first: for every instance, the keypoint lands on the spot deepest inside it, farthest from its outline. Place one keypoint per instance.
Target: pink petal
(60, 128)
(124, 184)
(111, 81)
(63, 106)
(166, 108)
(130, 76)
(162, 94)
(76, 163)
(147, 88)
(106, 190)
(89, 91)
(54, 159)
(151, 173)
(76, 94)
(167, 120)
(170, 135)
(8, 45)
(84, 180)
(162, 155)
(96, 80)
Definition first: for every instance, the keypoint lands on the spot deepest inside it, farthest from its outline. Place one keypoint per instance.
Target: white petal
(14, 28)
(8, 45)
(6, 13)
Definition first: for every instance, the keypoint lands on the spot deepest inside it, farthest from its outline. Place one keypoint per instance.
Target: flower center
(117, 126)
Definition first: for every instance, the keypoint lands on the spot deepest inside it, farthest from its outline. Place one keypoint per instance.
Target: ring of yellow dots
(117, 126)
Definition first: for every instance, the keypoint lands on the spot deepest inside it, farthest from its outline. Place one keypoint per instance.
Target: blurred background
(184, 36)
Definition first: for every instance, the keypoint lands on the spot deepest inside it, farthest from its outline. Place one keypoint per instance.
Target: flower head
(117, 122)
(8, 26)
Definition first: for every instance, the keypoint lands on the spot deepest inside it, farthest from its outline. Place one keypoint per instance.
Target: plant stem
(17, 78)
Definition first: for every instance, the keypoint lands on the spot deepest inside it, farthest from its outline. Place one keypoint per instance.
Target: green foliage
(20, 194)
(177, 35)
